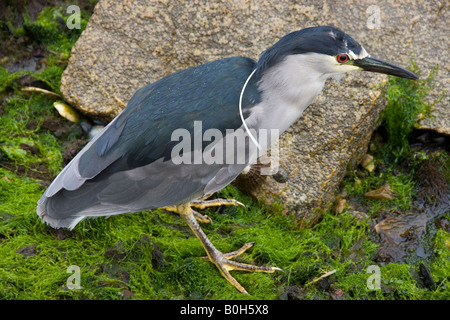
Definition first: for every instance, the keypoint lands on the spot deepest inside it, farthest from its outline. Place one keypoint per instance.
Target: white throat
(288, 89)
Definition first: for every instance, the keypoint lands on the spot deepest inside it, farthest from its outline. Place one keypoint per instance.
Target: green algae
(406, 102)
(25, 147)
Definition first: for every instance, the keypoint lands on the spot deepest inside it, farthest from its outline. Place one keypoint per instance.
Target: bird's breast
(274, 116)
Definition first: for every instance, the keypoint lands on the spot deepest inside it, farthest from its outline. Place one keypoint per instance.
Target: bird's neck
(287, 89)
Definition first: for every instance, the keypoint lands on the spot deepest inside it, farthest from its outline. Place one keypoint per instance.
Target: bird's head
(325, 51)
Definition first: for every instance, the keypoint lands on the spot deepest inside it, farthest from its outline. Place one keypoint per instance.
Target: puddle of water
(402, 236)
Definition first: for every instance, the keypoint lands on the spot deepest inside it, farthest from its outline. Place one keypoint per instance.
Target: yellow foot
(203, 204)
(222, 261)
(200, 217)
(225, 265)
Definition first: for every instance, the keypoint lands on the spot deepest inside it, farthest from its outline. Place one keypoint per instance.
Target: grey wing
(128, 167)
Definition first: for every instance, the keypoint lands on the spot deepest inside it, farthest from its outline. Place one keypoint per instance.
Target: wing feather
(127, 167)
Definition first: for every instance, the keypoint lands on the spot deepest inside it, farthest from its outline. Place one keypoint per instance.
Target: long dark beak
(373, 64)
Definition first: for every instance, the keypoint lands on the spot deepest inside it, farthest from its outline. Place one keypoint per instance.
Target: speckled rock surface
(130, 43)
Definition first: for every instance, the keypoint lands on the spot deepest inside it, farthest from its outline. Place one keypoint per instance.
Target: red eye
(341, 58)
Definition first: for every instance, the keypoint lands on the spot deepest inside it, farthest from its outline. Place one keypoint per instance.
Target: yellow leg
(222, 261)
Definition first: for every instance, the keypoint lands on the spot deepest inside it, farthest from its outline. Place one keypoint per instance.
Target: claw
(222, 261)
(201, 217)
(202, 204)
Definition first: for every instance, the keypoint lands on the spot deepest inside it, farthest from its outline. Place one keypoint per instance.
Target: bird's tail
(56, 220)
(65, 209)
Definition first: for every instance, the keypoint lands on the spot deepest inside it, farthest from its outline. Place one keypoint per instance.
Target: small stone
(368, 162)
(426, 277)
(339, 206)
(67, 112)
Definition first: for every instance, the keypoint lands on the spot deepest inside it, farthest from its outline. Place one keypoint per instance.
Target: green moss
(26, 146)
(8, 80)
(154, 255)
(402, 183)
(441, 265)
(117, 254)
(406, 100)
(22, 141)
(51, 76)
(51, 29)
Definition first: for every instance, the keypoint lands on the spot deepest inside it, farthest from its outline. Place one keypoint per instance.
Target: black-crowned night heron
(193, 132)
